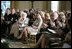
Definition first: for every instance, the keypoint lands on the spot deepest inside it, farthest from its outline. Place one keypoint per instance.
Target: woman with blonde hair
(42, 14)
(62, 18)
(45, 32)
(20, 24)
(23, 20)
(47, 18)
(32, 29)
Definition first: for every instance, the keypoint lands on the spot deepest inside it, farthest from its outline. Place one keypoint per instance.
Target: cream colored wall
(49, 6)
(41, 5)
(27, 5)
(24, 5)
(38, 5)
(65, 5)
(68, 5)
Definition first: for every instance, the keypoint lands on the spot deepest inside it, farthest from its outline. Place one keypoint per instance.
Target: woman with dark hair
(18, 13)
(67, 40)
(14, 17)
(30, 16)
(3, 27)
(7, 17)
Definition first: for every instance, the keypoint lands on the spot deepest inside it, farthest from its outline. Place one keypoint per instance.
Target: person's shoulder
(9, 14)
(15, 14)
(5, 14)
(27, 18)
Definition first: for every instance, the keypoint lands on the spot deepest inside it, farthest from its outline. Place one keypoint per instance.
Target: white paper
(23, 25)
(51, 30)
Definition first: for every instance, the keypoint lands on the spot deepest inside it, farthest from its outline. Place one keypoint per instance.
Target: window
(4, 6)
(54, 5)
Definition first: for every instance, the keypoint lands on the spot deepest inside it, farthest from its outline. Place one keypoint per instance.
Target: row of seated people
(22, 23)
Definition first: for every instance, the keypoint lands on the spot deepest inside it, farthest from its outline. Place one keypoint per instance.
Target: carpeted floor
(19, 44)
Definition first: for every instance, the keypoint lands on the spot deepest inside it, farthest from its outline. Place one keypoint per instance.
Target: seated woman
(18, 13)
(45, 37)
(67, 41)
(45, 25)
(42, 13)
(47, 18)
(31, 16)
(7, 18)
(32, 29)
(3, 27)
(23, 20)
(14, 20)
(14, 17)
(62, 19)
(20, 24)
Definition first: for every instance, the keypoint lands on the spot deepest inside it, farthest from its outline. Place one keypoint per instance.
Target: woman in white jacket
(32, 29)
(23, 20)
(20, 24)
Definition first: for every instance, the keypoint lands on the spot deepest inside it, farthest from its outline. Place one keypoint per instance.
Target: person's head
(68, 15)
(13, 11)
(42, 14)
(8, 11)
(26, 11)
(69, 23)
(31, 11)
(18, 10)
(47, 16)
(53, 15)
(38, 16)
(62, 16)
(23, 14)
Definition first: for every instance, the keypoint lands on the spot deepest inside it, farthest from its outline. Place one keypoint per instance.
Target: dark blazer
(7, 17)
(13, 18)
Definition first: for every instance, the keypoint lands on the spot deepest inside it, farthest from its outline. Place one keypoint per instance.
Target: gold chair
(32, 38)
